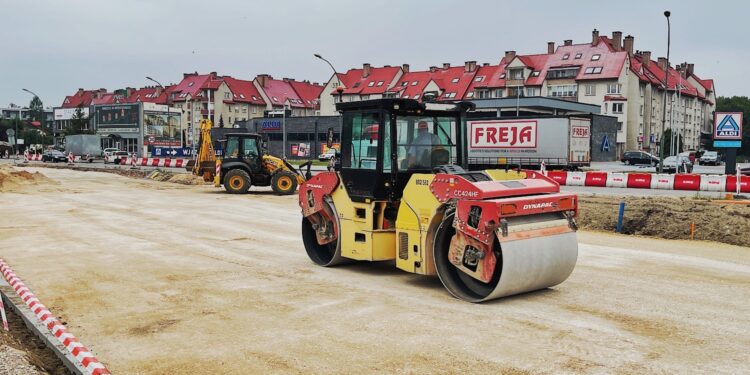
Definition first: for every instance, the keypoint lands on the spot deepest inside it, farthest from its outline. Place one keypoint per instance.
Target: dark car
(54, 156)
(639, 158)
(678, 164)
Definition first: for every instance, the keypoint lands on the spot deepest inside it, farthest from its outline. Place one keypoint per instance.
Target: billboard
(68, 113)
(119, 116)
(161, 129)
(503, 134)
(728, 129)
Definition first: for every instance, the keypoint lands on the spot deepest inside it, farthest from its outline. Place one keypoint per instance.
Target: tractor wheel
(284, 183)
(237, 181)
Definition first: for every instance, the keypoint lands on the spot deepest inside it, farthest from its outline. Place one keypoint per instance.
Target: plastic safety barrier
(687, 182)
(732, 184)
(559, 176)
(618, 180)
(713, 182)
(639, 180)
(576, 179)
(596, 179)
(662, 181)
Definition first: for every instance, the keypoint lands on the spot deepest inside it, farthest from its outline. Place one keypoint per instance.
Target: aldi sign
(728, 126)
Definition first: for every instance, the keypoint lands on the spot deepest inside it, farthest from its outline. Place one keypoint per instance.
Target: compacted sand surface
(160, 278)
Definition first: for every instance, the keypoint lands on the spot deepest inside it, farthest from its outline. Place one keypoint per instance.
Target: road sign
(727, 144)
(20, 141)
(728, 126)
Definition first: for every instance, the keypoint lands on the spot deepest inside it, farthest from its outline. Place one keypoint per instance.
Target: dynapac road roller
(402, 192)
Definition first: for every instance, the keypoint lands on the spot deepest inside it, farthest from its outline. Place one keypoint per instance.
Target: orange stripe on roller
(533, 233)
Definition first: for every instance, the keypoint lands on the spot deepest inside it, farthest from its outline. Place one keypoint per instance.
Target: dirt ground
(670, 217)
(23, 353)
(162, 278)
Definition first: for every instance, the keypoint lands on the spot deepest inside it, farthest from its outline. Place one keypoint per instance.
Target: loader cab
(243, 148)
(385, 141)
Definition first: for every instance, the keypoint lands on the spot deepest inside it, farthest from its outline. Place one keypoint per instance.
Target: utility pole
(666, 89)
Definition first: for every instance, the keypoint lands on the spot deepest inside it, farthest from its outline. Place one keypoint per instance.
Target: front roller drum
(328, 254)
(523, 265)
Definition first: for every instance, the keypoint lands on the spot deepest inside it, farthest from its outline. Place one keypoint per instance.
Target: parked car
(328, 155)
(710, 157)
(672, 163)
(690, 155)
(639, 158)
(118, 156)
(108, 151)
(54, 156)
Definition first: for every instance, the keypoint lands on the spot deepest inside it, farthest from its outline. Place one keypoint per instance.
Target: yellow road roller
(401, 191)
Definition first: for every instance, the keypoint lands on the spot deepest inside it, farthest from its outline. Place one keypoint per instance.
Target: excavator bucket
(501, 238)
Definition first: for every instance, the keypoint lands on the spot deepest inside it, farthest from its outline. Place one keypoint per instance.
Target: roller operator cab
(400, 192)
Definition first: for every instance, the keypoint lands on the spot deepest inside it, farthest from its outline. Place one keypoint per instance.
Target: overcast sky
(54, 47)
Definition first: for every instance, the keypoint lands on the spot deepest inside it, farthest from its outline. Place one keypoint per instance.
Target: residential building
(301, 97)
(359, 84)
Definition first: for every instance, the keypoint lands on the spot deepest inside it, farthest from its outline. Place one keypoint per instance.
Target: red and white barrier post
(71, 158)
(2, 313)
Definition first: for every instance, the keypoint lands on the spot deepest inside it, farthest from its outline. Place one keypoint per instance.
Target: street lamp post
(339, 87)
(666, 89)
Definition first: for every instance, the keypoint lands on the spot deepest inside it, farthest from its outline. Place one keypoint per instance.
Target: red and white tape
(82, 354)
(155, 162)
(682, 181)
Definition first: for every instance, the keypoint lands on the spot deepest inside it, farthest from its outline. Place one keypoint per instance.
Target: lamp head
(667, 13)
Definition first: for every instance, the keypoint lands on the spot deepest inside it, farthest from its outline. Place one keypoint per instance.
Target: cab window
(250, 148)
(233, 147)
(423, 142)
(362, 152)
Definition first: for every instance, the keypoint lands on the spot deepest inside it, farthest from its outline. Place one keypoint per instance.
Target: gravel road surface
(162, 278)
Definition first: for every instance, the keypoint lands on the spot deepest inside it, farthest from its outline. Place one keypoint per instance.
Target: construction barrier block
(685, 181)
(639, 180)
(662, 181)
(559, 176)
(576, 179)
(713, 182)
(596, 179)
(617, 180)
(731, 185)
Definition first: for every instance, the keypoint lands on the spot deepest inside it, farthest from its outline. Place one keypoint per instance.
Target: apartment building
(605, 71)
(301, 97)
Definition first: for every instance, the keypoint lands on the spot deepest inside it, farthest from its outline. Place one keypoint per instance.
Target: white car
(671, 164)
(328, 155)
(710, 157)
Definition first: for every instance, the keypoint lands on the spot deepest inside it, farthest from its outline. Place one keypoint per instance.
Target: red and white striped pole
(71, 158)
(217, 173)
(2, 313)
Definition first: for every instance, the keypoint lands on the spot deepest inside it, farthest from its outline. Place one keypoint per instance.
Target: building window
(530, 91)
(593, 70)
(613, 88)
(450, 95)
(562, 73)
(578, 55)
(226, 95)
(498, 93)
(516, 73)
(596, 57)
(563, 90)
(482, 94)
(641, 109)
(566, 56)
(590, 90)
(470, 94)
(380, 83)
(371, 84)
(535, 74)
(502, 76)
(617, 107)
(415, 83)
(606, 107)
(479, 79)
(416, 96)
(619, 126)
(405, 96)
(455, 80)
(404, 83)
(641, 89)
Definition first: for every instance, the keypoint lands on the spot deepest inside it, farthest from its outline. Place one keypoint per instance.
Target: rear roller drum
(325, 255)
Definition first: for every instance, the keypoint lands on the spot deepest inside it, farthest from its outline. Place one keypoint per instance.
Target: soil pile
(177, 178)
(671, 218)
(12, 180)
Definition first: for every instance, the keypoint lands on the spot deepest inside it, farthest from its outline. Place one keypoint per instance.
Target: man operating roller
(420, 152)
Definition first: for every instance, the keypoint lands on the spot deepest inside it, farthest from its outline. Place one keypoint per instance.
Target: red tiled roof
(375, 83)
(79, 98)
(191, 85)
(147, 95)
(108, 98)
(308, 93)
(674, 78)
(243, 91)
(537, 63)
(454, 81)
(609, 61)
(279, 91)
(406, 84)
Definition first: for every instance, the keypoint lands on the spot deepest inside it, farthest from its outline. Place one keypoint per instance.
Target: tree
(78, 122)
(738, 104)
(667, 141)
(36, 110)
(221, 121)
